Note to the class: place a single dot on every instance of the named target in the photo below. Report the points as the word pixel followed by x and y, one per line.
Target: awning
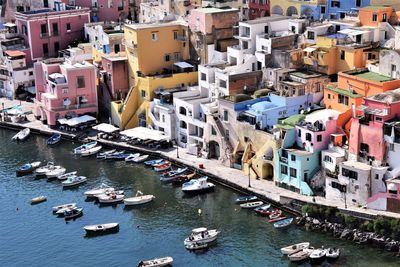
pixel 78 120
pixel 145 134
pixel 106 128
pixel 62 121
pixel 309 49
pixel 183 65
pixel 14 53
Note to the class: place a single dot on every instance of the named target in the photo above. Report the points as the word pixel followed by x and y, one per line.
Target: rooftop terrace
pixel 369 75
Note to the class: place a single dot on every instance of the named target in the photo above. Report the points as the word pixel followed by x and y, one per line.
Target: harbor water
pixel 30 235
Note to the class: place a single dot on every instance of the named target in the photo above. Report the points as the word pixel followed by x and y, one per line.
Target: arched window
pixel 183 125
pixel 182 111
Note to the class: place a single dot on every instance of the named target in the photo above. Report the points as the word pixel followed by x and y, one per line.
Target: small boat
pixel 163 167
pixel 80 149
pixel 283 223
pixel 21 135
pixel 152 162
pixel 141 158
pixel 65 176
pixel 28 168
pixel 91 151
pixel 37 200
pixel 318 254
pixel 294 248
pixel 73 213
pixel 44 169
pixel 196 246
pixel 131 157
pixel 121 155
pixel 168 176
pixel 112 198
pixel 57 171
pixel 110 193
pixel 74 180
pixel 157 262
pixel 301 254
pixel 138 199
pixel 251 205
pixel 101 228
pixel 277 219
pixel 183 178
pixel 275 214
pixel 104 154
pixel 198 185
pixel 54 139
pixel 263 209
pixel 63 207
pixel 332 253
pixel 244 199
pixel 201 235
pixel 101 189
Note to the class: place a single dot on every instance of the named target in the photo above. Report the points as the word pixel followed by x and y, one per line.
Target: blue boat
pixel 283 223
pixel 168 176
pixel 121 155
pixel 54 139
pixel 263 208
pixel 245 199
pixel 153 162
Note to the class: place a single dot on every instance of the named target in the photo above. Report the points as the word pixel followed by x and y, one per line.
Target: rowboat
pixel 37 200
pixel 263 209
pixel 163 167
pixel 275 214
pixel 109 192
pixel 283 223
pixel 318 254
pixel 244 199
pixel 44 169
pixel 183 178
pixel 57 171
pixel 109 199
pixel 63 207
pixel 91 151
pixel 168 176
pixel 251 205
pixel 119 155
pixel 198 186
pixel 74 180
pixel 65 176
pixel 201 235
pixel 138 199
pixel 101 189
pixel 301 254
pixel 28 168
pixel 131 157
pixel 54 139
pixel 332 253
pixel 104 154
pixel 294 248
pixel 73 213
pixel 141 158
pixel 156 262
pixel 277 219
pixel 152 162
pixel 84 147
pixel 101 228
pixel 21 135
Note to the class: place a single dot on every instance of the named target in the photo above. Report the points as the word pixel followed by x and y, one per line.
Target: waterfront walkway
pixel 213 168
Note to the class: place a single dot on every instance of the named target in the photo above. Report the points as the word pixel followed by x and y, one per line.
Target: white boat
pixel 141 158
pixel 74 180
pixel 113 198
pixel 109 193
pixel 196 246
pixel 332 253
pixel 101 189
pixel 103 155
pixel 45 169
pixel 301 254
pixel 251 205
pixel 58 171
pixel 201 235
pixel 91 151
pixel 131 157
pixel 294 248
pixel 84 147
pixel 63 206
pixel 101 228
pixel 318 253
pixel 198 185
pixel 65 176
pixel 37 200
pixel 138 199
pixel 157 262
pixel 21 135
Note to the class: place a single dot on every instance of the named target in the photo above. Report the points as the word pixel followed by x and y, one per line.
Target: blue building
pixel 313 12
pixel 337 9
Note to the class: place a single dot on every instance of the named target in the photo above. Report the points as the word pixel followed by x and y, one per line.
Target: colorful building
pixel 106 10
pixel 336 9
pixel 259 8
pixel 313 9
pixel 373 16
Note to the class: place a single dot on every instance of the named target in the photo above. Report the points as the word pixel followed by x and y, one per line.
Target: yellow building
pixel 155 56
pixel 294 7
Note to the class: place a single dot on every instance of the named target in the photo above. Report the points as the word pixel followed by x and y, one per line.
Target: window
pixel 167 57
pixel 213 132
pixel 374 17
pixel 203 76
pixel 226 118
pixel 68 27
pixel 175 35
pixel 335 3
pixel 65 91
pixel 310 35
pixel 329 96
pixel 31 73
pixel 45 49
pixel 293 172
pixel 177 56
pixel 154 36
pixel 376 176
pixel 222 83
pixel 56 47
pixel 341 188
pixel 384 17
pixel 322 9
pixel 293 157
pixel 364 147
pixel 308 137
pixel 319 138
pixel 342 55
pixel 284 169
pixel 391 147
pixel 328 159
pixel 163 118
pixel 55 29
pixel 358 3
pixel 299 133
pixel 80 82
pixel 143 93
pixel 349 173
pixel 183 125
pixel 378 119
pixel 43 29
pixel 343 100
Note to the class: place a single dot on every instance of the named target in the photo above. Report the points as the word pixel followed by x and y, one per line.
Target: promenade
pixel 230 177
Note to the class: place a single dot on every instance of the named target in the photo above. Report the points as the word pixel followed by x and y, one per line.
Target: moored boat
pixel 131 157
pixel 37 200
pixel 301 254
pixel 65 176
pixel 163 167
pixel 57 171
pixel 101 189
pixel 138 199
pixel 196 246
pixel 54 139
pixel 110 199
pixel 283 223
pixel 294 248
pixel 277 219
pixel 28 168
pixel 318 254
pixel 251 205
pixel 332 253
pixel 244 199
pixel 101 228
pixel 74 180
pixel 91 151
pixel 21 135
pixel 103 155
pixel 73 213
pixel 119 155
pixel 63 207
pixel 168 176
pixel 198 185
pixel 263 209
pixel 201 235
pixel 84 147
pixel 275 214
pixel 141 158
pixel 183 178
pixel 153 162
pixel 157 262
pixel 44 169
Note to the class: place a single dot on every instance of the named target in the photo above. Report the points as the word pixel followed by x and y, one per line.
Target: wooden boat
pixel 28 168
pixel 73 213
pixel 198 186
pixel 283 223
pixel 101 228
pixel 63 207
pixel 251 205
pixel 332 253
pixel 301 254
pixel 37 200
pixel 318 254
pixel 141 158
pixel 65 176
pixel 131 157
pixel 74 180
pixel 109 199
pixel 183 178
pixel 263 209
pixel 163 167
pixel 201 235
pixel 101 189
pixel 196 246
pixel 91 151
pixel 21 135
pixel 244 199
pixel 57 171
pixel 168 176
pixel 275 214
pixel 294 248
pixel 156 262
pixel 54 139
pixel 104 154
pixel 153 162
pixel 80 149
pixel 277 219
pixel 138 199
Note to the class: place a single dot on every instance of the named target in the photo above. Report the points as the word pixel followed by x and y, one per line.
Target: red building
pixel 106 10
pixel 259 8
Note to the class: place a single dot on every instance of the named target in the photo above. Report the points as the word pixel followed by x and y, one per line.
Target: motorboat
pixel 37 200
pixel 74 180
pixel 318 254
pixel 21 135
pixel 141 158
pixel 57 171
pixel 101 189
pixel 196 246
pixel 198 185
pixel 157 262
pixel 283 223
pixel 91 151
pixel 65 176
pixel 168 176
pixel 138 199
pixel 263 209
pixel 109 193
pixel 277 219
pixel 294 248
pixel 103 155
pixel 153 162
pixel 54 139
pixel 275 214
pixel 101 228
pixel 251 205
pixel 183 178
pixel 112 198
pixel 73 213
pixel 131 157
pixel 80 149
pixel 44 169
pixel 301 254
pixel 63 207
pixel 244 199
pixel 201 235
pixel 163 167
pixel 332 253
pixel 119 155
pixel 28 168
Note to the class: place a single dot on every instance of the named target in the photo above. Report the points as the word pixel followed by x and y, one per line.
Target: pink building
pixel 389 200
pixel 64 90
pixel 47 31
pixel 106 10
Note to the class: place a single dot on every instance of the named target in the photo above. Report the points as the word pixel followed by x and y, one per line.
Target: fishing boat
pixel 318 254
pixel 183 178
pixel 141 158
pixel 74 180
pixel 251 205
pixel 301 255
pixel 28 168
pixel 91 151
pixel 37 200
pixel 201 235
pixel 131 157
pixel 103 155
pixel 156 262
pixel 196 246
pixel 263 209
pixel 198 185
pixel 332 253
pixel 168 176
pixel 153 162
pixel 163 167
pixel 80 149
pixel 65 176
pixel 277 219
pixel 283 223
pixel 54 139
pixel 101 228
pixel 73 213
pixel 138 199
pixel 110 199
pixel 294 248
pixel 21 135
pixel 244 199
pixel 63 207
pixel 101 189
pixel 275 214
pixel 57 171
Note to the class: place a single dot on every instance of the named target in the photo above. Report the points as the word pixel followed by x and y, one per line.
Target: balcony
pixel 54 33
pixel 44 35
pixel 330 174
pixel 74 107
pixel 283 159
pixel 181 38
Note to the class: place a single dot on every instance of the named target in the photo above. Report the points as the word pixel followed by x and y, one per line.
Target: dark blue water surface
pixel 32 236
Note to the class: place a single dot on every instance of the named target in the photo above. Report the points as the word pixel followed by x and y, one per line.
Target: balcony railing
pixel 44 34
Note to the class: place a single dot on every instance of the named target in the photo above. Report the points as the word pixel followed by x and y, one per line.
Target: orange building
pixel 373 15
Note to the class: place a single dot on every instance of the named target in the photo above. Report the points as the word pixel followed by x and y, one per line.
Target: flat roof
pixel 298 152
pixel 336 89
pixel 372 76
pixel 140 26
pixel 357 165
pixel 15 53
pixel 211 10
pixel 305 74
pixel 376 8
